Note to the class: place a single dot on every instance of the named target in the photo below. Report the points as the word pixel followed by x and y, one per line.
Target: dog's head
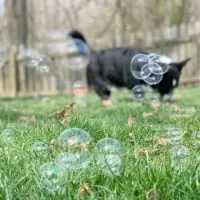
pixel 170 79
pixel 75 34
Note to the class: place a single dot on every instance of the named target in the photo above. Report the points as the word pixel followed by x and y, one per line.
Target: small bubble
pixel 39 146
pixel 139 92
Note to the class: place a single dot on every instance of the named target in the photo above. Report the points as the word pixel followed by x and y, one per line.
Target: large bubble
pixel 73 137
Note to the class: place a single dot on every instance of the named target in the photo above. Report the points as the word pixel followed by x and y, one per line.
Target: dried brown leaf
pixel 84 189
pixel 131 118
pixel 107 103
pixel 141 151
pixel 67 109
pixel 161 141
pixel 28 119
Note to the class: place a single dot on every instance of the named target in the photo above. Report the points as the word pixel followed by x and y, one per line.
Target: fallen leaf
pixel 155 105
pixel 84 189
pixel 28 119
pixel 67 108
pixel 152 194
pixel 131 118
pixel 107 103
pixel 141 151
pixel 147 114
pixel 161 141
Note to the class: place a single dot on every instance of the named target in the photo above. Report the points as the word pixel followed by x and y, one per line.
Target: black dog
pixel 112 67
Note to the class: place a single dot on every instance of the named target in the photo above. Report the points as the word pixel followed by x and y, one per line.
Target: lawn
pixel 147 172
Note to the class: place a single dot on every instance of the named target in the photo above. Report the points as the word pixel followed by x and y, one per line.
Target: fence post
pixel 12 73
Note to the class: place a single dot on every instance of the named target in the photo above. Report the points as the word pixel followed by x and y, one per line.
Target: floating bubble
pixel 155 68
pixel 108 145
pixel 73 137
pixel 77 54
pixel 51 186
pixel 43 65
pixel 73 161
pixel 40 146
pixel 110 164
pixel 137 62
pixel 139 92
pixel 152 79
pixel 162 63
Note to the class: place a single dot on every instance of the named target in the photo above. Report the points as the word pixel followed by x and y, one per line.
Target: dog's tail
pixel 75 34
pixel 181 64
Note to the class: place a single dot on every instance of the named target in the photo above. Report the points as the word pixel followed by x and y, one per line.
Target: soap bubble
pixel 175 135
pixel 77 54
pixel 155 68
pixel 7 136
pixel 73 137
pixel 108 145
pixel 43 65
pixel 80 88
pixel 196 138
pixel 73 161
pixel 50 170
pixel 139 92
pixel 51 174
pixel 180 157
pixel 40 146
pixel 163 63
pixel 179 151
pixel 151 79
pixel 110 164
pixel 137 62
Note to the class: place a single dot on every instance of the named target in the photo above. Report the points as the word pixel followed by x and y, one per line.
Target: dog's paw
pixel 107 103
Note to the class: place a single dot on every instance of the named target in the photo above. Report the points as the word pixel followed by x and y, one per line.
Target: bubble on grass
pixel 196 138
pixel 51 174
pixel 7 136
pixel 137 62
pixel 175 135
pixel 110 164
pixel 40 146
pixel 108 145
pixel 73 161
pixel 73 137
pixel 139 92
pixel 180 157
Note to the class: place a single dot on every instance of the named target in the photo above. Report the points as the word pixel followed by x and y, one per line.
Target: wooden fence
pixel 16 79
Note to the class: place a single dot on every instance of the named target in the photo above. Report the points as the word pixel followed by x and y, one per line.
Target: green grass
pixel 19 165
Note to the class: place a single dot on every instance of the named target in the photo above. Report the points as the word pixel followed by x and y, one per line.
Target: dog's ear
pixel 181 64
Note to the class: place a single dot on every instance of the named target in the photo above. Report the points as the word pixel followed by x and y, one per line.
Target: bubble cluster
pixel 107 156
pixel 149 68
pixel 77 54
